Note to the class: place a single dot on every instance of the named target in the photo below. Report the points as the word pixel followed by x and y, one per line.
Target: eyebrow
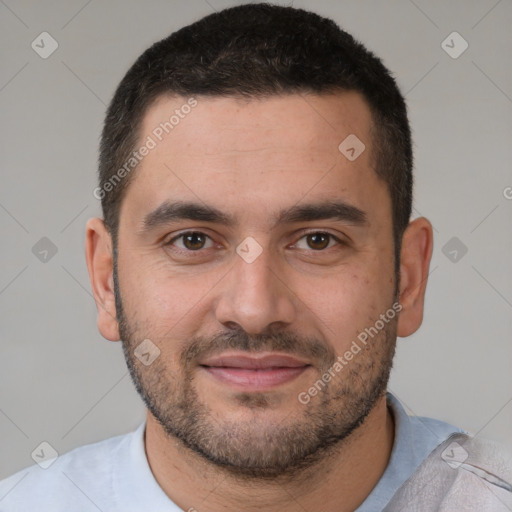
pixel 169 212
pixel 336 210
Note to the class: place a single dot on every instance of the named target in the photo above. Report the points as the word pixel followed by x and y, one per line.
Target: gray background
pixel 61 382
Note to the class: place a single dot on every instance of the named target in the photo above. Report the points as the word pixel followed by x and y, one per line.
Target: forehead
pixel 298 122
pixel 237 153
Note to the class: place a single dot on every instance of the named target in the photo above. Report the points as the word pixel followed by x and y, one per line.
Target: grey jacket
pixel 462 474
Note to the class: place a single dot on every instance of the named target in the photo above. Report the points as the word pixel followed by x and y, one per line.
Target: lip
pixel 256 372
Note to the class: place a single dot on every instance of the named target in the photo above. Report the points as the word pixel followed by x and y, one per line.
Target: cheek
pixel 160 300
pixel 345 305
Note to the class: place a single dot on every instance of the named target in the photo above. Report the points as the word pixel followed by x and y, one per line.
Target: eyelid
pixel 303 233
pixel 187 232
pixel 337 239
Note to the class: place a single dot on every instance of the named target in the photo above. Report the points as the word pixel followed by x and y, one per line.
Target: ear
pixel 99 256
pixel 415 255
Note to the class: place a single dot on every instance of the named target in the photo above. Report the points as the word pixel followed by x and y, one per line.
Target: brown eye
pixel 194 241
pixel 318 241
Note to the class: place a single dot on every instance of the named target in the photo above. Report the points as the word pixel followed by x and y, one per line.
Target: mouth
pixel 255 372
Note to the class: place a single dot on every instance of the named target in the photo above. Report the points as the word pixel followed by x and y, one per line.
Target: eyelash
pixel 182 235
pixel 190 251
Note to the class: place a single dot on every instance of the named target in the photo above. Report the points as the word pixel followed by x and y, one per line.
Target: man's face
pixel 284 277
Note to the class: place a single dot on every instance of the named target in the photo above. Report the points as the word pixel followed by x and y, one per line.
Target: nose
pixel 255 298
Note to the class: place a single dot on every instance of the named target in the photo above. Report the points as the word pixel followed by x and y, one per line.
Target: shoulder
pixel 463 473
pixel 417 436
pixel 73 481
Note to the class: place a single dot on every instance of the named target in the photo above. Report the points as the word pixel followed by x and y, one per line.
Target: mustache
pixel 310 348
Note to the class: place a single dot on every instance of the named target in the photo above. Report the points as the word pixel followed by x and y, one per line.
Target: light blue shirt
pixel 415 438
pixel 114 475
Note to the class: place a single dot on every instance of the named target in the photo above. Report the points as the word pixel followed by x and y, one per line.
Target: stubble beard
pixel 259 448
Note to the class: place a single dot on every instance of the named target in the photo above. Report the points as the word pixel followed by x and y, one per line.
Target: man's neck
pixel 340 483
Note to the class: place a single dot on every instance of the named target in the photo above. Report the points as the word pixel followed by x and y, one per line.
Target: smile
pixel 255 373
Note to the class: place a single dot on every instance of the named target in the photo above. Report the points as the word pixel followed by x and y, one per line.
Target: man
pixel 258 261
